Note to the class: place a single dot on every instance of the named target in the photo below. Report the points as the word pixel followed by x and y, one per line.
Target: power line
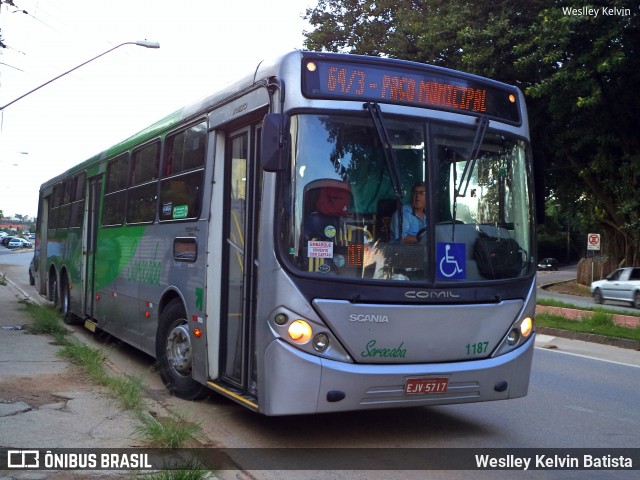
pixel 11 66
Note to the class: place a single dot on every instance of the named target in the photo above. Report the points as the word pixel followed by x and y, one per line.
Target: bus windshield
pixel 426 216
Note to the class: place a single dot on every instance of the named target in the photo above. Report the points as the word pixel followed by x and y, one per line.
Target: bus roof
pixel 263 71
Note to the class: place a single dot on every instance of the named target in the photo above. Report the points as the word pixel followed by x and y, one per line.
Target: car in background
pixel 548 264
pixel 5 240
pixel 19 243
pixel 622 285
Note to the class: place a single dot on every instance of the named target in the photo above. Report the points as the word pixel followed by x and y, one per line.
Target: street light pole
pixel 141 43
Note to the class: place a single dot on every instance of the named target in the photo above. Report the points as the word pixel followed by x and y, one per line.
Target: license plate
pixel 417 386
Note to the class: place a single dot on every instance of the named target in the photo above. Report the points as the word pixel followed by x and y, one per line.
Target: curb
pixel 590 337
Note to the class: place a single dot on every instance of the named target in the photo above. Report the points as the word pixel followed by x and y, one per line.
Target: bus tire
pixel 65 303
pixel 173 353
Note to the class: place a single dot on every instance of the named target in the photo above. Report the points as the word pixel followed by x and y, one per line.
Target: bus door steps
pixel 234 393
pixel 90 325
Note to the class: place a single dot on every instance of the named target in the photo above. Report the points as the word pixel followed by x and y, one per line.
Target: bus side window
pixel 180 197
pixel 115 197
pixel 142 195
pixel 180 192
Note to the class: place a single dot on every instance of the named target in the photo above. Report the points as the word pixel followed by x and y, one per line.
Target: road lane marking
pixel 557 350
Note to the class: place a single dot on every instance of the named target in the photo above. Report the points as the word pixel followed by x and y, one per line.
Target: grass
pixel 167 432
pixel 601 323
pixel 90 359
pixel 127 391
pixel 550 302
pixel 191 470
pixel 46 321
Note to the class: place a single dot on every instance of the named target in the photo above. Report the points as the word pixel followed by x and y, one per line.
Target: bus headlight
pixel 281 319
pixel 519 333
pixel 321 342
pixel 526 327
pixel 309 335
pixel 299 331
pixel 513 337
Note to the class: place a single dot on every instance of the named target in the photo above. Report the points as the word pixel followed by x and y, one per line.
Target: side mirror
pixel 274 142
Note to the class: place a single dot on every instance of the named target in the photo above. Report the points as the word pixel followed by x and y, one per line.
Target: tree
pixel 578 72
pixel 591 67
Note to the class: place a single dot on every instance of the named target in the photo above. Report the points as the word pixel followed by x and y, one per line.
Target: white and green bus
pixel 251 242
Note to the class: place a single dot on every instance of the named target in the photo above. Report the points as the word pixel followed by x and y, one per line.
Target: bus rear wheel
pixel 65 303
pixel 52 293
pixel 174 354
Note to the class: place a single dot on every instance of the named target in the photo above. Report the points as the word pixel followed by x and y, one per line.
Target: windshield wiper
pixel 470 165
pixel 389 155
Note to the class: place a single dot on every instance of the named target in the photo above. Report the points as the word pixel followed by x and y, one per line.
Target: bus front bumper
pixel 298 383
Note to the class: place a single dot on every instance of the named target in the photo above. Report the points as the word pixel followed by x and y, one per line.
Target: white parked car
pixel 19 243
pixel 621 285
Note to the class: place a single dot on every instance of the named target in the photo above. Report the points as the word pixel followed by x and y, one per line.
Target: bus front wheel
pixel 174 354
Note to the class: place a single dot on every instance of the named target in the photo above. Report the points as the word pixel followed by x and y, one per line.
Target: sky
pixel 204 45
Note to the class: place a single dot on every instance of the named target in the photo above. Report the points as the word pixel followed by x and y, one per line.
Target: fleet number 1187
pixel 477 348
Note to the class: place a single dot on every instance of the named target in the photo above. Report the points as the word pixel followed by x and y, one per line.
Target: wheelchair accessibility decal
pixel 451 260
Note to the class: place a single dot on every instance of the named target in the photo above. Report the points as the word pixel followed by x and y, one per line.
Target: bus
pixel 256 242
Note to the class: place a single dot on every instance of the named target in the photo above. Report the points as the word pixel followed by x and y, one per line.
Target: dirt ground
pixel 570 288
pixel 36 390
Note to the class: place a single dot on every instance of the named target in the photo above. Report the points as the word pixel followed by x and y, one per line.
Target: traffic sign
pixel 593 241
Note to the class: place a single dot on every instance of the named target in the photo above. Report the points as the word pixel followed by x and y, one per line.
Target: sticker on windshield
pixel 316 249
pixel 329 231
pixel 451 260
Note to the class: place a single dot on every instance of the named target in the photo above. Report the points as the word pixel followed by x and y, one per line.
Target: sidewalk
pixel 45 402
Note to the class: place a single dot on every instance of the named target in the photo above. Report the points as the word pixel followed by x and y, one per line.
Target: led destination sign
pixel 423 88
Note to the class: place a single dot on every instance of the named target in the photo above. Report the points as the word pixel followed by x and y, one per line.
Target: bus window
pixel 116 194
pixel 144 164
pixel 185 150
pixel 117 173
pixel 68 188
pixel 180 197
pixel 77 205
pixel 181 193
pixel 54 205
pixel 143 195
pixel 141 203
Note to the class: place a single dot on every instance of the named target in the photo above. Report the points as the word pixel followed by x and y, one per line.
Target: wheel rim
pixel 66 301
pixel 179 349
pixel 53 291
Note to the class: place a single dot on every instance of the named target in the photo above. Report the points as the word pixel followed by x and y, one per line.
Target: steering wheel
pixel 421 235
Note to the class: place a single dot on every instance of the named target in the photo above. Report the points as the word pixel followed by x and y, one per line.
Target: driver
pixel 414 216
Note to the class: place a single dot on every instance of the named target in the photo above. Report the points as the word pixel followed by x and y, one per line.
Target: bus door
pixel 91 223
pixel 237 363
